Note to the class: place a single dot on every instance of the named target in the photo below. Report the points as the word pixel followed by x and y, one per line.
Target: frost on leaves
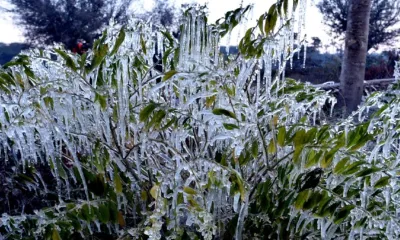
pixel 150 135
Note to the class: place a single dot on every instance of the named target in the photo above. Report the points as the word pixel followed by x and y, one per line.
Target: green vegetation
pixel 104 146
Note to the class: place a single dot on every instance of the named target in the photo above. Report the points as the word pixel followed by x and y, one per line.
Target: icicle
pixel 241 217
pixel 387 194
pixel 305 55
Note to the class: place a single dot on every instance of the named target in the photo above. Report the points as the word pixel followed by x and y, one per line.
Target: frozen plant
pixel 148 136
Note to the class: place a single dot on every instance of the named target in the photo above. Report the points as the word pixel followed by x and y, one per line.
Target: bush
pixel 317 67
pixel 380 66
pixel 204 149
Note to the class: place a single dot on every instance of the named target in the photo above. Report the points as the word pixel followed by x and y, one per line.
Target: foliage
pixel 320 67
pixel 385 15
pixel 65 21
pixel 205 149
pixel 163 13
pixel 326 67
pixel 380 66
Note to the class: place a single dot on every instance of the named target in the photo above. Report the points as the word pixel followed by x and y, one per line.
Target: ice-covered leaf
pixel 117 182
pixel 382 182
pixel 154 191
pixel 145 112
pixel 55 235
pixel 189 190
pixel 343 213
pixel 119 41
pixel 68 60
pixel 339 168
pixel 221 111
pixel 169 75
pixel 230 126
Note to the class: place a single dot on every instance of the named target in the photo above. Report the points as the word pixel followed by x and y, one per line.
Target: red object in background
pixel 79 48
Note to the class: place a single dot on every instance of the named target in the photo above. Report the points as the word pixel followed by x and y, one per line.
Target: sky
pixel 9 32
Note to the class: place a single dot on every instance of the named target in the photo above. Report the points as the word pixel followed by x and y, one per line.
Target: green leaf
pixel 104 213
pixel 329 210
pixel 68 60
pixel 49 102
pixel 312 201
pixel 82 61
pixel 285 6
pixel 100 78
pixel 99 55
pixel 328 158
pixel 254 149
pixel 169 75
pixel 261 24
pixel 342 214
pixel 145 112
pixel 154 191
pixel 323 205
pixel 8 78
pixel 86 213
pixel 383 182
pixel 339 168
pixel 271 20
pixel 230 91
pixel 299 138
pixel 180 198
pixel 169 123
pixel 301 199
pixel 189 190
pixel 60 169
pixel 296 155
pixel 230 126
pixel 312 158
pixel 272 147
pixel 168 36
pixel 101 100
pixel 117 182
pixel 281 136
pixel 143 44
pixel 220 111
pixel 323 133
pixel 368 171
pixel 119 41
pixel 55 235
pixel 310 136
pixel 362 142
pixel 29 72
pixel 361 223
pixel 238 181
pixel 352 168
pixel 210 100
pixel 158 116
pixel 113 210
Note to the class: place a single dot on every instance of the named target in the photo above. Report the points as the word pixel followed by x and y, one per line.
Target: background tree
pixel 66 21
pixel 316 43
pixel 355 54
pixel 163 13
pixel 385 14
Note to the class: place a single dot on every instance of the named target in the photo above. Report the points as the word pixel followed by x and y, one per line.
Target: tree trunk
pixel 355 54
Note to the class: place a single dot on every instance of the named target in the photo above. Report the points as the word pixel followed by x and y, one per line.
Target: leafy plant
pixel 207 148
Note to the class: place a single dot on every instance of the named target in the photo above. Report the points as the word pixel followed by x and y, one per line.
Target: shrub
pixel 205 149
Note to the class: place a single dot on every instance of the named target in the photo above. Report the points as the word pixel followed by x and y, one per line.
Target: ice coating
pixel 175 147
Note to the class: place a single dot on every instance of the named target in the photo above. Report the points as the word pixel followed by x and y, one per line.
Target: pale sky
pixel 314 26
